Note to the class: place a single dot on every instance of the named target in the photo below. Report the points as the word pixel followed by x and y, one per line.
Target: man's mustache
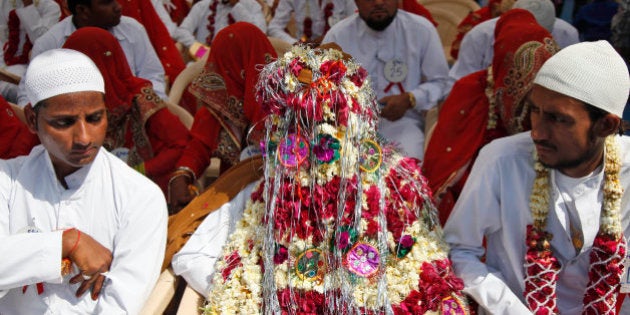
pixel 544 143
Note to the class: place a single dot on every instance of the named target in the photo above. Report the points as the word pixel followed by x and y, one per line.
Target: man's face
pixel 104 13
pixel 563 132
pixel 377 14
pixel 71 127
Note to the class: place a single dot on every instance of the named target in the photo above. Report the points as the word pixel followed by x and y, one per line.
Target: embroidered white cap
pixel 61 71
pixel 543 10
pixel 592 72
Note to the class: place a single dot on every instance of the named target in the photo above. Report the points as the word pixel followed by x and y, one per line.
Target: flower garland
pixel 211 20
pixel 492 107
pixel 327 229
pixel 607 253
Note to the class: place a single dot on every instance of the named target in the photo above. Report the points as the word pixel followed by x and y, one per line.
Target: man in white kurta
pixel 197 259
pixel 477 47
pixel 114 204
pixel 35 20
pixel 411 42
pixel 133 39
pixel 57 191
pixel 308 9
pixel 194 28
pixel 495 202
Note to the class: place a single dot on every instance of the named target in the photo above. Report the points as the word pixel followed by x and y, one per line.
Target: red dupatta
pixel 471 20
pixel 125 120
pixel 412 6
pixel 226 85
pixel 15 137
pixel 486 105
pixel 144 12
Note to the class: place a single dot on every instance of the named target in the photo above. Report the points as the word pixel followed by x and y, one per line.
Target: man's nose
pixel 81 133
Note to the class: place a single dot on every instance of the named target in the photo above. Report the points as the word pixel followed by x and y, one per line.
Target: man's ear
pixel 607 125
pixel 31 118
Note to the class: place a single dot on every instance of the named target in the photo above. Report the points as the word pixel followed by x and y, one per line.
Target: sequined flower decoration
pixel 281 255
pixel 404 245
pixel 347 238
pixel 326 149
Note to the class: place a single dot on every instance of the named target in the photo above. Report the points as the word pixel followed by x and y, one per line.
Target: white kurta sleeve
pixel 471 55
pixel 279 22
pixel 27 258
pixel 250 11
pixel 476 214
pixel 196 260
pixel 434 69
pixel 138 252
pixel 38 19
pixel 147 65
pixel 185 33
pixel 158 5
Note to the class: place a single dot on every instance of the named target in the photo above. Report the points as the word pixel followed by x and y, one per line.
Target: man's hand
pixel 180 195
pixel 395 106
pixel 90 257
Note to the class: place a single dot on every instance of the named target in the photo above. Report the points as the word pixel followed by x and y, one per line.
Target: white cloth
pixel 171 27
pixel 413 40
pixel 195 26
pixel 133 39
pixel 495 203
pixel 34 22
pixel 196 260
pixel 121 209
pixel 301 9
pixel 477 48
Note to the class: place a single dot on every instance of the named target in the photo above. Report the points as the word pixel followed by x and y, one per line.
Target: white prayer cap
pixel 592 72
pixel 543 10
pixel 61 71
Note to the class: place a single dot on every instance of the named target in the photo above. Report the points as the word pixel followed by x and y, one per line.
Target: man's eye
pixel 95 118
pixel 63 123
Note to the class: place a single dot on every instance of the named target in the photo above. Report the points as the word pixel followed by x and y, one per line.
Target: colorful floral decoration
pixel 341 223
pixel 606 257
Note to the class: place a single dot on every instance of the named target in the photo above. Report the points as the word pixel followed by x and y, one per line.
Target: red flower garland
pixel 211 20
pixel 11 46
pixel 540 289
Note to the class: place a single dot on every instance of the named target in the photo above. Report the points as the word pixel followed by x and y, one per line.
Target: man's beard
pixel 380 25
pixel 586 156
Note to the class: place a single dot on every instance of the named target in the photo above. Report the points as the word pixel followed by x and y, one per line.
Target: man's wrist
pixel 412 100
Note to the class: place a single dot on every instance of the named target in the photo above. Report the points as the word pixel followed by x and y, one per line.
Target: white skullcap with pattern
pixel 543 10
pixel 61 71
pixel 592 72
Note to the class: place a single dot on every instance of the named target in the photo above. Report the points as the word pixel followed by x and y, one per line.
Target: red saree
pixel 15 138
pixel 226 89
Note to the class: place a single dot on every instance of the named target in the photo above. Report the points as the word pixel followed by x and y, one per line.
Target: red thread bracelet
pixel 76 243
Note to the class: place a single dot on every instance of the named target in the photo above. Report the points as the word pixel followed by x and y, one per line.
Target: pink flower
pixel 281 255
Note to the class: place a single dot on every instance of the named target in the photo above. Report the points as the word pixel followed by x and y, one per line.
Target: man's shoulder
pixel 127 178
pixel 345 24
pixel 511 147
pixel 563 26
pixel 413 20
pixel 128 23
pixel 484 28
pixel 57 33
